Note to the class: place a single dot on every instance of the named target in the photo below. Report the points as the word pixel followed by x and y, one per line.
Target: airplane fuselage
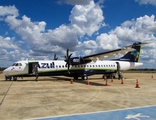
pixel 52 67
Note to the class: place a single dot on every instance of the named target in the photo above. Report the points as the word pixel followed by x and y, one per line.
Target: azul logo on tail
pixel 132 56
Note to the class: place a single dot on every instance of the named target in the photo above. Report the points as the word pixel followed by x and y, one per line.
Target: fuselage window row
pixel 94 66
pixel 83 66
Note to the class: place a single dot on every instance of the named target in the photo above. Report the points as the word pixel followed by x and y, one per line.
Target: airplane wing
pixel 100 56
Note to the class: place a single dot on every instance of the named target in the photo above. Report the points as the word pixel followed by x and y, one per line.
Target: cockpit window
pixel 17 64
pixel 14 64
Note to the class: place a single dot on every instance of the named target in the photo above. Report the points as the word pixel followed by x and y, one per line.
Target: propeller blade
pixel 70 55
pixel 55 58
pixel 67 59
pixel 67 52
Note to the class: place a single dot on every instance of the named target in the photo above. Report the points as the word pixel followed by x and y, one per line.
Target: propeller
pixel 55 58
pixel 67 59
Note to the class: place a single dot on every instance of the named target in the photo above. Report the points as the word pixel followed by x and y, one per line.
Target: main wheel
pixel 14 78
pixel 84 77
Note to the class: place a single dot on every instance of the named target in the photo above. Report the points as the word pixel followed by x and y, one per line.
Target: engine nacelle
pixel 78 60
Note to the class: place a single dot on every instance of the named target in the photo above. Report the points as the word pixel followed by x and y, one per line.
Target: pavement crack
pixel 6 94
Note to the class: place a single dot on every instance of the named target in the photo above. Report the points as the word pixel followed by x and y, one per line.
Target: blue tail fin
pixel 132 56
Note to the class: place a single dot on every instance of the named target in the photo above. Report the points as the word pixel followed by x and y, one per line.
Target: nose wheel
pixel 8 78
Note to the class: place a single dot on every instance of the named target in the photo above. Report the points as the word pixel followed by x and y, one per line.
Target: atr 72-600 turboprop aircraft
pixel 78 66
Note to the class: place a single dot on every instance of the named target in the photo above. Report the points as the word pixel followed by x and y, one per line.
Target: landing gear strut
pixel 14 78
pixel 76 77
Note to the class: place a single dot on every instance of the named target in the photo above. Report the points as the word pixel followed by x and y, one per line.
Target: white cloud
pixel 13 22
pixel 8 10
pixel 86 19
pixel 91 44
pixel 143 29
pixel 152 2
pixel 7 43
pixel 107 41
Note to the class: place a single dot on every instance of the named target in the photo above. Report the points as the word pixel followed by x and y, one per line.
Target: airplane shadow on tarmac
pixel 57 78
pixel 81 81
pixel 26 79
pixel 90 83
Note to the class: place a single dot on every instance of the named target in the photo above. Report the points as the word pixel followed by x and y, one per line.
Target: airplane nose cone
pixel 5 71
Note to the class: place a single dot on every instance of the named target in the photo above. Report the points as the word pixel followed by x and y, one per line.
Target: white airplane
pixel 78 66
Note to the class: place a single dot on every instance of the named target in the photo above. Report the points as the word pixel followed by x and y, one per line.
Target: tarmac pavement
pixel 54 96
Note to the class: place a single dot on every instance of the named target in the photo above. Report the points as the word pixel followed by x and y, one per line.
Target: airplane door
pixel 32 68
pixel 118 66
pixel 119 70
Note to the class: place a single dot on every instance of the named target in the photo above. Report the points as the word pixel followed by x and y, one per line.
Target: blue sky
pixel 36 29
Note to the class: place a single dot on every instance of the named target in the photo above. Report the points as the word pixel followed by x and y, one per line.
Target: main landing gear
pixel 83 77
